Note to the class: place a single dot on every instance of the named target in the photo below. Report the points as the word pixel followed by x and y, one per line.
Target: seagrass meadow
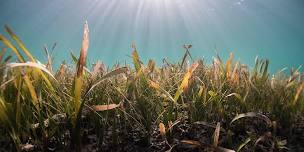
pixel 185 106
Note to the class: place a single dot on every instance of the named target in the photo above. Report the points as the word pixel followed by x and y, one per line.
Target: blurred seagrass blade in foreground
pixel 37 73
pixel 20 43
pixel 32 65
pixel 21 59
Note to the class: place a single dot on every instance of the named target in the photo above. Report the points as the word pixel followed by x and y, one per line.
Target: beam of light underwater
pixel 161 27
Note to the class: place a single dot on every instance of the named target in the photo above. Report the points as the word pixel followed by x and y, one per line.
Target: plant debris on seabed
pixel 186 106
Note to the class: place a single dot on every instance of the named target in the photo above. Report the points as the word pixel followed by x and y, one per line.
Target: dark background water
pixel 272 29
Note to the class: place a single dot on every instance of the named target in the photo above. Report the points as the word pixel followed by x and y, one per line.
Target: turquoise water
pixel 272 29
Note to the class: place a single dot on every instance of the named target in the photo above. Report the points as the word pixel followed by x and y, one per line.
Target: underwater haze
pixel 272 29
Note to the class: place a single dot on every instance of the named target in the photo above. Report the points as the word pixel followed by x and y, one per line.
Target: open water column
pixel 272 29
